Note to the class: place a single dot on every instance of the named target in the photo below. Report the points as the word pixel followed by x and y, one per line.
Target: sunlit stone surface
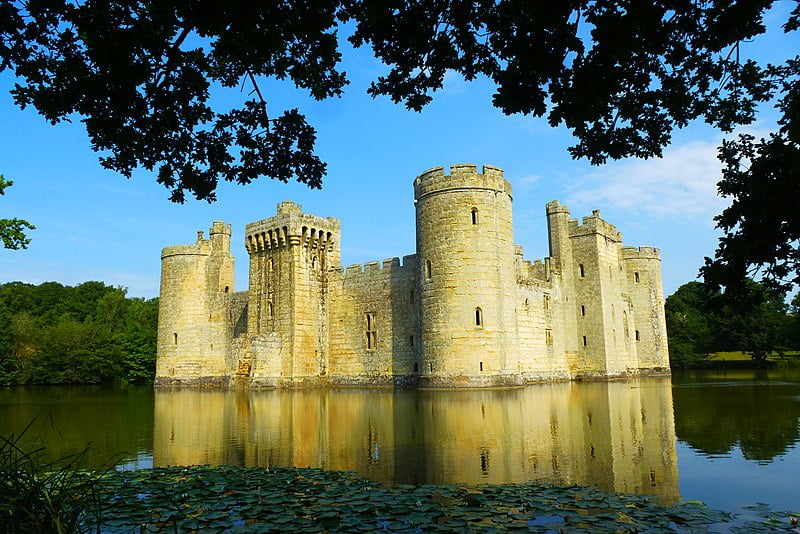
pixel 466 310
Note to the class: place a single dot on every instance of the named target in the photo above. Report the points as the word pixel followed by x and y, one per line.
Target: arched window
pixel 428 269
pixel 478 317
pixel 271 309
pixel 227 289
pixel 474 214
pixel 625 325
pixel 175 337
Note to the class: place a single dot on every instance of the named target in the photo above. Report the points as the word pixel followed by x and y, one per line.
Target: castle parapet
pixel 220 227
pixel 554 206
pixel 641 253
pixel 201 248
pixel 593 224
pixel 290 227
pixel 462 176
pixel 389 266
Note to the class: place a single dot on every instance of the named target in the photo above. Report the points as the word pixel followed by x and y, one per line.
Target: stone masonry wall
pixel 541 335
pixel 465 249
pixel 374 322
pixel 643 278
pixel 193 327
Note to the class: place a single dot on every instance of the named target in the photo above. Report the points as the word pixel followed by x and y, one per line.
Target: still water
pixel 729 439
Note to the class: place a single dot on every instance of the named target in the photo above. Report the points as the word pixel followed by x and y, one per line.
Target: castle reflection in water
pixel 617 436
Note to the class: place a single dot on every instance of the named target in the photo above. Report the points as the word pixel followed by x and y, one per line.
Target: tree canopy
pixel 12 231
pixel 701 321
pixel 621 75
pixel 90 333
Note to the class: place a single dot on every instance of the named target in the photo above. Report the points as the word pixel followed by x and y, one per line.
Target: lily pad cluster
pixel 251 499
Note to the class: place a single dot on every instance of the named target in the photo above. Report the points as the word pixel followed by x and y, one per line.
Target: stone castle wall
pixel 467 310
pixel 373 322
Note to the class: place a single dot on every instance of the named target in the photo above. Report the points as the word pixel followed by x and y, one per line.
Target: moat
pixel 727 438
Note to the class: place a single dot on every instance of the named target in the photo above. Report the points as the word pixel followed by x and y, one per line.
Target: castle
pixel 465 311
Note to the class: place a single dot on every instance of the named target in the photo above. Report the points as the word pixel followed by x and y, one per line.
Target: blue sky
pixel 93 224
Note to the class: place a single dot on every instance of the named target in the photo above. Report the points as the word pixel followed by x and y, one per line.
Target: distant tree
pixel 6 360
pixel 72 352
pixel 752 325
pixel 90 333
pixel 689 330
pixel 138 340
pixel 702 321
pixel 621 75
pixel 26 337
pixel 790 337
pixel 12 231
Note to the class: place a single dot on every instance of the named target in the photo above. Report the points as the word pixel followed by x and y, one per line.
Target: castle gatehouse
pixel 467 310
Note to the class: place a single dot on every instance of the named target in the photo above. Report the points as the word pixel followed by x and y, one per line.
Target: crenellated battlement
pixel 201 248
pixel 641 253
pixel 594 224
pixel 220 227
pixel 388 267
pixel 463 176
pixel 290 226
pixel 554 206
pixel 536 271
pixel 287 206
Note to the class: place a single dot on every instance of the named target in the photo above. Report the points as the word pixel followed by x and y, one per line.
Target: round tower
pixel 467 278
pixel 189 347
pixel 643 271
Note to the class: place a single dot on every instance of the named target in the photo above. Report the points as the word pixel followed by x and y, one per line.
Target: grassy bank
pixel 743 360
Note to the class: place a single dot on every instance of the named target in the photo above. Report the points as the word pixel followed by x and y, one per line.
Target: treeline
pixel 701 322
pixel 87 334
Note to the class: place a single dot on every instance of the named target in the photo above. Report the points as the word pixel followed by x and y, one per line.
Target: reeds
pixel 38 496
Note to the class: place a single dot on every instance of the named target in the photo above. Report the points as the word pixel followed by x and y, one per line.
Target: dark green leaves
pixel 12 231
pixel 762 179
pixel 139 76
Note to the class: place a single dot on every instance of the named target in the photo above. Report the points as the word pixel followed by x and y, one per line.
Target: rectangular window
pixel 548 337
pixel 637 335
pixel 583 310
pixel 546 301
pixel 584 341
pixel 636 277
pixel 371 331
